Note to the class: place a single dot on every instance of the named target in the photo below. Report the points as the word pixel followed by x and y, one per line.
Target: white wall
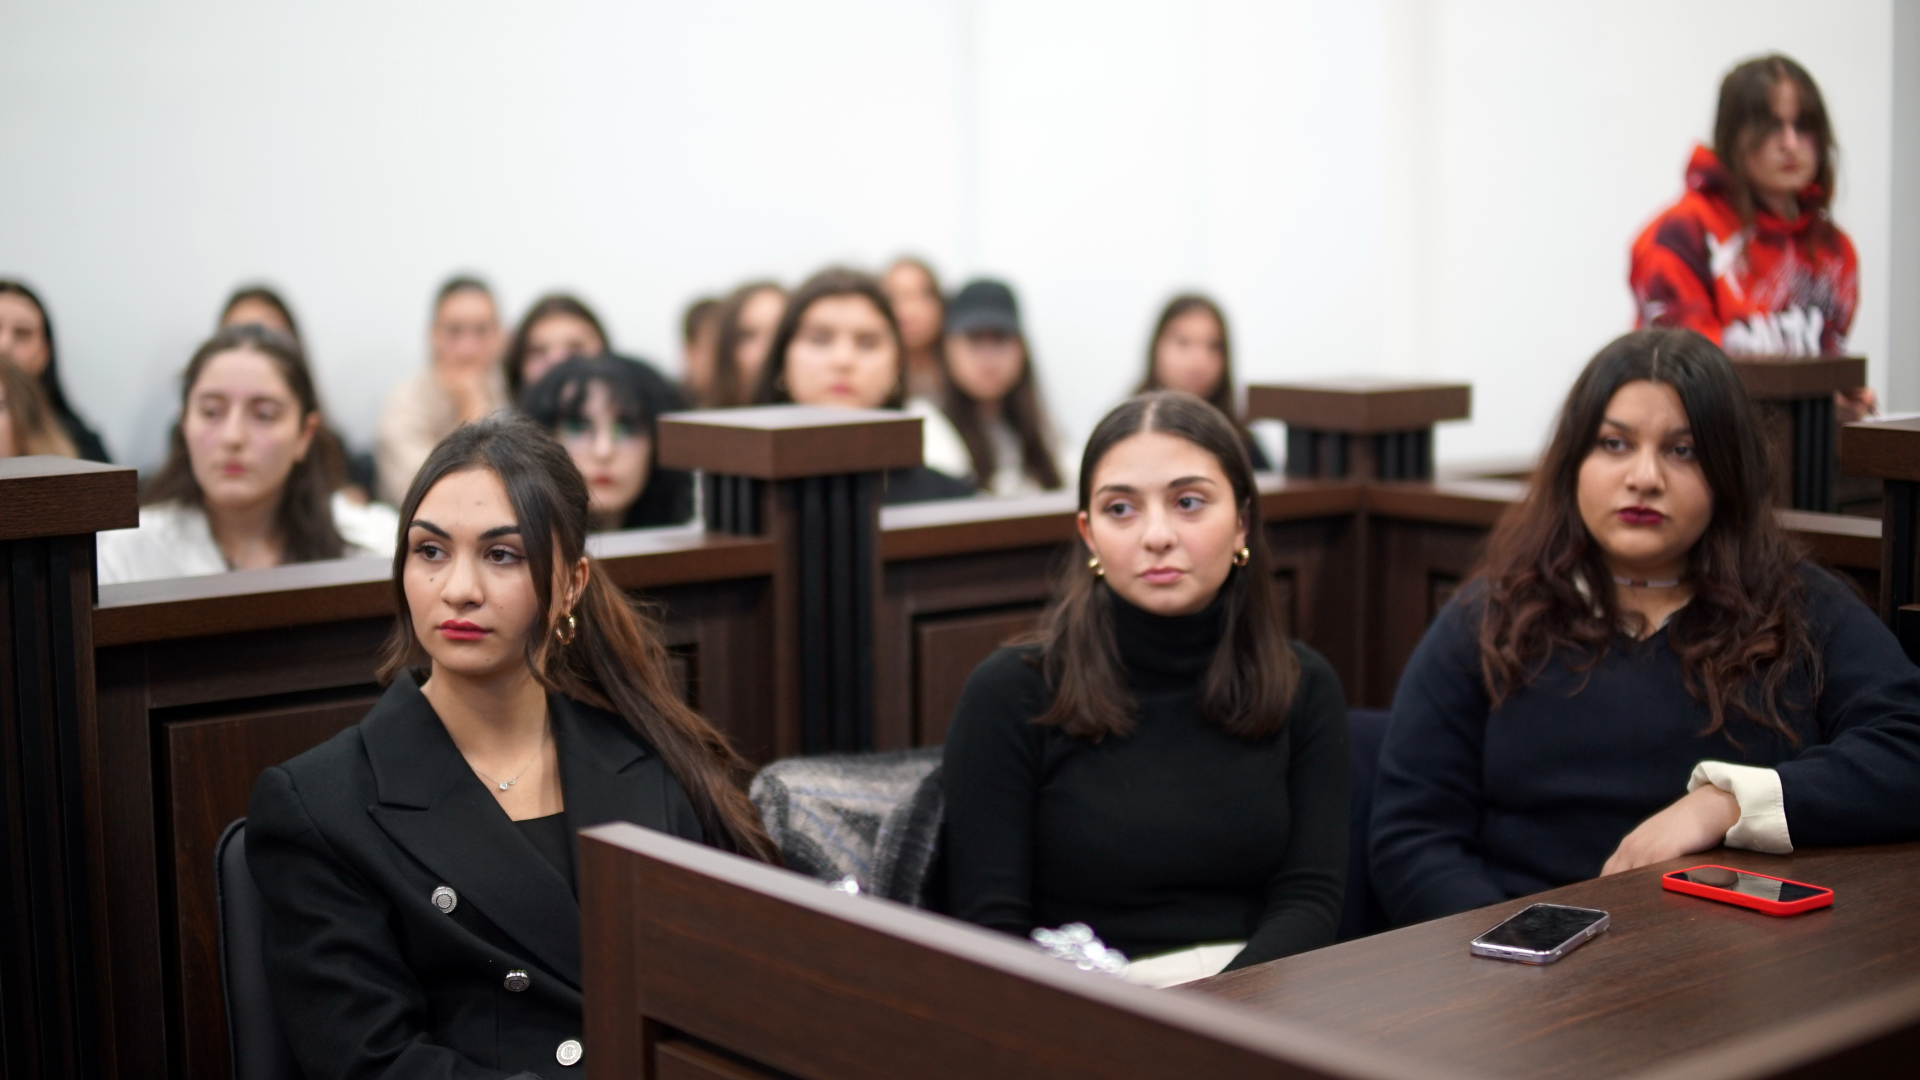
pixel 1439 189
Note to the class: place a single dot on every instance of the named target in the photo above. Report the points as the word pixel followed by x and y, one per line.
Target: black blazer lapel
pixel 434 807
pixel 607 771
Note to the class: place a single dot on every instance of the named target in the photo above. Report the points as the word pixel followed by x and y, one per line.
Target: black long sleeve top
pixel 1476 805
pixel 1175 835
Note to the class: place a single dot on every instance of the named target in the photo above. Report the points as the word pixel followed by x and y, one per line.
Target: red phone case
pixel 1728 896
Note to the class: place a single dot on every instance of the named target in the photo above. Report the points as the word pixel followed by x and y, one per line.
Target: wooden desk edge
pixel 149 611
pixel 1224 1021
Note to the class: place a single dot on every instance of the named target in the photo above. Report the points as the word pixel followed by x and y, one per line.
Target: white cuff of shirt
pixel 1763 806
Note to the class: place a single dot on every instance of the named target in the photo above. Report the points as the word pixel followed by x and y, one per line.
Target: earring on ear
pixel 1243 556
pixel 1093 564
pixel 564 632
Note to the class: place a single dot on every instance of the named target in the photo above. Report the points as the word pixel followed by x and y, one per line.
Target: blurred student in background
pixel 27 423
pixel 918 306
pixel 260 305
pixel 240 489
pixel 992 396
pixel 743 329
pixel 556 328
pixel 699 327
pixel 461 384
pixel 26 339
pixel 837 345
pixel 603 410
pixel 1191 351
pixel 1750 256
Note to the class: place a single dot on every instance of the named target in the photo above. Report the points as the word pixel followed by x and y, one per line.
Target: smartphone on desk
pixel 1541 933
pixel 1775 896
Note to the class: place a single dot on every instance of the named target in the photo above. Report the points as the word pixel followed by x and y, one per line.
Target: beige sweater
pixel 418 414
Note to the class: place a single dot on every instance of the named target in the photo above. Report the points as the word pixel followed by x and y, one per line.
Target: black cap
pixel 984 306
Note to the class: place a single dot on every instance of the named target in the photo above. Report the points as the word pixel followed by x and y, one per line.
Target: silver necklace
pixel 505 784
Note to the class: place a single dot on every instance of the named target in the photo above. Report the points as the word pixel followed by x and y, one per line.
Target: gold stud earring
pixel 564 632
pixel 1243 556
pixel 1093 564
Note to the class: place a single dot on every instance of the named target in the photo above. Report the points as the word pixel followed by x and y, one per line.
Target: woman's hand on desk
pixel 1696 822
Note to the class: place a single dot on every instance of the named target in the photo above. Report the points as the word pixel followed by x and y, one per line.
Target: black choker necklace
pixel 1667 584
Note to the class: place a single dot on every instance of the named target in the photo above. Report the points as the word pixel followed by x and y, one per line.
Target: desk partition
pixel 704 965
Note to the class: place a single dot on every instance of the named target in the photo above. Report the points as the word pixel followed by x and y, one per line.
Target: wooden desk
pixel 1677 987
pixel 704 966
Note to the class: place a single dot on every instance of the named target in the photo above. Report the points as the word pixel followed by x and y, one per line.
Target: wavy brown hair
pixel 1745 118
pixel 615 661
pixel 305 516
pixel 1744 633
pixel 1249 684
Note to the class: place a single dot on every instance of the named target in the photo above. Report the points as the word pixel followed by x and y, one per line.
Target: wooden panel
pixel 783 971
pixel 946 650
pixel 680 1059
pixel 1412 567
pixel 1835 540
pixel 1888 449
pixel 1318 564
pixel 54 496
pixel 788 442
pixel 1784 378
pixel 211 768
pixel 1678 987
pixel 1360 406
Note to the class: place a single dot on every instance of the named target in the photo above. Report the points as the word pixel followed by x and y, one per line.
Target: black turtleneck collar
pixel 1167 652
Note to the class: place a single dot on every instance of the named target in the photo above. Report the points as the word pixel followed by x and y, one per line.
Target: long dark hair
pixel 1250 683
pixel 265 295
pixel 1022 409
pixel 551 304
pixel 639 396
pixel 305 517
pixel 50 377
pixel 730 388
pixel 833 281
pixel 1742 635
pixel 1221 397
pixel 615 661
pixel 1745 116
pixel 34 427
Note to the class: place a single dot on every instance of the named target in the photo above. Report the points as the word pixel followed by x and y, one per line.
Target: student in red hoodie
pixel 1750 256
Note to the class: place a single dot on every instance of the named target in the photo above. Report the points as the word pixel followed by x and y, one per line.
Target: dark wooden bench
pixel 705 966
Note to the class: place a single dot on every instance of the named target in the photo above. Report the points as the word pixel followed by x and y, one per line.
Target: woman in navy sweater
pixel 1643 668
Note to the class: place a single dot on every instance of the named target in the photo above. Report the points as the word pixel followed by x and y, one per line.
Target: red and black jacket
pixel 1772 287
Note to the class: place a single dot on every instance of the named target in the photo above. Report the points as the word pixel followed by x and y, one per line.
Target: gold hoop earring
pixel 564 632
pixel 1093 564
pixel 1243 556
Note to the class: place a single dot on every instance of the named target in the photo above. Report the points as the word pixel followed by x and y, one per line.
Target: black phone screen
pixel 1542 927
pixel 1766 888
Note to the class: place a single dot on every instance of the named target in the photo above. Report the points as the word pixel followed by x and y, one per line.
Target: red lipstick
pixel 461 630
pixel 1641 515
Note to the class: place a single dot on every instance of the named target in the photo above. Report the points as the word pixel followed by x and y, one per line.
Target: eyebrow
pixel 1671 432
pixel 1129 489
pixel 491 534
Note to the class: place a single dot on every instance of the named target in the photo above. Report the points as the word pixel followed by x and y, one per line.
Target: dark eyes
pixel 433 551
pixel 1613 444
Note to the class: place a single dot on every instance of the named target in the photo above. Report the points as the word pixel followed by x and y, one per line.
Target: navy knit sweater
pixel 1478 805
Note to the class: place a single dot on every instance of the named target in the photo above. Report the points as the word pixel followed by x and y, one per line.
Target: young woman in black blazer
pixel 1643 668
pixel 1158 761
pixel 418 869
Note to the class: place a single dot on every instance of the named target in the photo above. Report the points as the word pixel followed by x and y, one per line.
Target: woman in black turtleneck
pixel 1158 761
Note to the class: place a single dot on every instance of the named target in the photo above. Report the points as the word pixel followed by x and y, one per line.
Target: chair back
pixel 260 1049
pixel 1361 913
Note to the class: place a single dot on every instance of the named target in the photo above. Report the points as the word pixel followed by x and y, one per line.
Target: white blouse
pixel 174 540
